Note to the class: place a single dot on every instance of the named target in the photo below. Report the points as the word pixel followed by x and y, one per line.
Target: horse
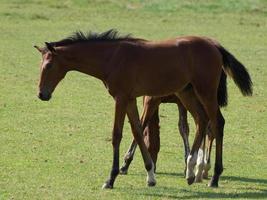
pixel 152 133
pixel 189 67
pixel 152 138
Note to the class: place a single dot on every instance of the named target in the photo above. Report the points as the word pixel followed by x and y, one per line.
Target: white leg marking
pixel 207 167
pixel 151 180
pixel 191 162
pixel 200 165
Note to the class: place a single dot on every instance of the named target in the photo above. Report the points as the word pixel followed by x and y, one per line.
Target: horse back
pixel 165 67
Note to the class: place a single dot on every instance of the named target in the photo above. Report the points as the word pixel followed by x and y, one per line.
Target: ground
pixel 61 149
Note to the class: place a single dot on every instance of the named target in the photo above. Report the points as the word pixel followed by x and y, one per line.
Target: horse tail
pixel 236 71
pixel 222 91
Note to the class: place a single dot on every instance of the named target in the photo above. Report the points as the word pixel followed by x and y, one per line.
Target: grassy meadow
pixel 62 150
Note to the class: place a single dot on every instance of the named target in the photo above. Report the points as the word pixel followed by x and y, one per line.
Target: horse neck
pixel 90 58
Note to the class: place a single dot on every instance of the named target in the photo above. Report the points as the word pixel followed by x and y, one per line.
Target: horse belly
pixel 161 83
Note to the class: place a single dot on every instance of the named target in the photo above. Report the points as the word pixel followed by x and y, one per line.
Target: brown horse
pixel 189 67
pixel 152 137
pixel 152 133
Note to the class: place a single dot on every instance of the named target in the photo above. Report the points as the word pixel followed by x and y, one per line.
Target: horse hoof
pixel 123 171
pixel 213 185
pixel 198 180
pixel 205 175
pixel 151 184
pixel 190 180
pixel 107 186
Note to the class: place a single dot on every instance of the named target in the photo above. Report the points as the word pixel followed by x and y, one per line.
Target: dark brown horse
pixel 189 67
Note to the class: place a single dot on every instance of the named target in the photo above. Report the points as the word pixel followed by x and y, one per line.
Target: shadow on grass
pixel 245 192
pixel 210 195
pixel 244 179
pixel 170 174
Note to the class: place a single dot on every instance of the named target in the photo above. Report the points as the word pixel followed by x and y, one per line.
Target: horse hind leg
pixel 152 136
pixel 207 165
pixel 128 157
pixel 204 153
pixel 209 101
pixel 183 129
pixel 200 162
pixel 217 127
pixel 193 105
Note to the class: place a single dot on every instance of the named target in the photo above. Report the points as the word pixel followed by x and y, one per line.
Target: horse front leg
pixel 120 112
pixel 150 125
pixel 132 113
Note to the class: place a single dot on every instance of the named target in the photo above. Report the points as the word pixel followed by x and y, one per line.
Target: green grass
pixel 62 149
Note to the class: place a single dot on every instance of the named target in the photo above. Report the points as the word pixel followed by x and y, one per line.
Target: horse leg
pixel 183 129
pixel 217 128
pixel 120 112
pixel 150 121
pixel 207 165
pixel 211 106
pixel 152 137
pixel 192 104
pixel 200 162
pixel 128 157
pixel 132 113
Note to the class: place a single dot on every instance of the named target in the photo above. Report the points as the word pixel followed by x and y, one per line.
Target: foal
pixel 151 131
pixel 189 67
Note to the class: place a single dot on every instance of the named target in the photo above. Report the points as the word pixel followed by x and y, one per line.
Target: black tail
pixel 237 71
pixel 222 91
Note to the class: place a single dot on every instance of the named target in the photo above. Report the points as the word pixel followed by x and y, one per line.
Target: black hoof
pixel 107 185
pixel 213 185
pixel 190 180
pixel 213 182
pixel 151 184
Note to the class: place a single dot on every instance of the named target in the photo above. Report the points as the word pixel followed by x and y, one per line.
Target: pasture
pixel 62 149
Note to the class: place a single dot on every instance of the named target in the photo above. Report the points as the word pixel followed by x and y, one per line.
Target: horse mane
pixel 80 37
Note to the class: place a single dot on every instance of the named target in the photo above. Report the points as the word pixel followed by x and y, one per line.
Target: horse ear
pixel 38 48
pixel 50 48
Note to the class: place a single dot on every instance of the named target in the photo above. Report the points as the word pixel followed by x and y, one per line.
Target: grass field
pixel 61 149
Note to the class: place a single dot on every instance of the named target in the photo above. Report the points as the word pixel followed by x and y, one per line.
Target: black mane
pixel 80 37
